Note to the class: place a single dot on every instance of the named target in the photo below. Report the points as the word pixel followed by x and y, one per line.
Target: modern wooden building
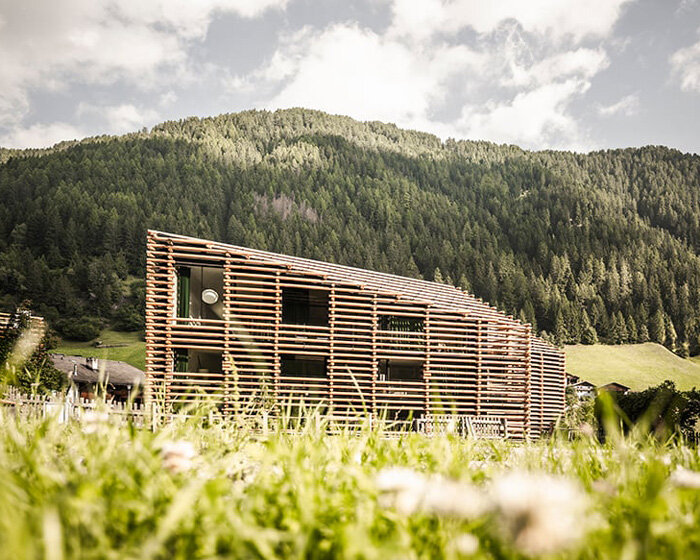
pixel 252 329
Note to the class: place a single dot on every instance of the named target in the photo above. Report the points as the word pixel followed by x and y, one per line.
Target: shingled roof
pixel 111 371
pixel 443 296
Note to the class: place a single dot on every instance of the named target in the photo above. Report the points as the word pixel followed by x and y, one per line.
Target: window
pixel 400 323
pixel 303 306
pixel 303 366
pixel 400 370
pixel 200 292
pixel 198 361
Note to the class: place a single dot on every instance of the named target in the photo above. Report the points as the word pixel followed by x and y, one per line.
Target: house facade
pixel 585 390
pixel 251 329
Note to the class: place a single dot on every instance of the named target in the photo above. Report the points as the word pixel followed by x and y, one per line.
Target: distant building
pixel 119 379
pixel 584 389
pixel 615 387
pixel 572 379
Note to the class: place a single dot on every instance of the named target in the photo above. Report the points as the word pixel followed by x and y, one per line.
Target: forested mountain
pixel 604 245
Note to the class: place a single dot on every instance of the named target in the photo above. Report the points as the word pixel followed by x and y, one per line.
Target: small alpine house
pixel 250 329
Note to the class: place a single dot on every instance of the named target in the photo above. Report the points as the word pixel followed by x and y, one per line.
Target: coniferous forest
pixel 587 247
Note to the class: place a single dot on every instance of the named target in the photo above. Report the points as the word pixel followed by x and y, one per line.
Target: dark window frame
pixel 401 323
pixel 304 306
pixel 305 362
pixel 386 372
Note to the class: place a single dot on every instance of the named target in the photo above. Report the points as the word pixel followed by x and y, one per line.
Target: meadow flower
pixel 466 544
pixel 454 499
pixel 684 478
pixel 178 456
pixel 540 513
pixel 242 469
pixel 93 421
pixel 401 488
pixel 410 492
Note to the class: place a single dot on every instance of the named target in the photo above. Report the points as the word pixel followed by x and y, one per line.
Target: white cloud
pixel 519 69
pixel 143 43
pixel 167 98
pixel 558 19
pixel 119 119
pixel 685 63
pixel 357 72
pixel 585 63
pixel 627 106
pixel 535 118
pixel 516 81
pixel 191 18
pixel 41 135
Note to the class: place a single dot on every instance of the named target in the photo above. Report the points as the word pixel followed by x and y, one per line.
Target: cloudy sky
pixel 563 74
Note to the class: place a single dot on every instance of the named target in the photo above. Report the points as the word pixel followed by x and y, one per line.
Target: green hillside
pixel 126 347
pixel 600 246
pixel 636 365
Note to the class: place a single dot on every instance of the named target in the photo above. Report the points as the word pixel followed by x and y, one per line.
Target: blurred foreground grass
pixel 96 489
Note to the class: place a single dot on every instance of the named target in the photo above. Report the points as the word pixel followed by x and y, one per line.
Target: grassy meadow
pixel 636 365
pixel 133 352
pixel 98 489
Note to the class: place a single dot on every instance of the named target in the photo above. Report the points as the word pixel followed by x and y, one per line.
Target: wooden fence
pixel 65 409
pixel 484 427
pixel 150 416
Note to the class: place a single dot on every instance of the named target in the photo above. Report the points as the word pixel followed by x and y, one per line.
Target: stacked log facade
pixel 382 345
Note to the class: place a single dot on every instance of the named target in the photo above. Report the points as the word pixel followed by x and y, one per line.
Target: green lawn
pixel 636 365
pixel 133 353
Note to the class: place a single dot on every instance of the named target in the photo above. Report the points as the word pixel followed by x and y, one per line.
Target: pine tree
pixel 671 335
pixel 560 335
pixel 632 334
pixel 588 333
pixel 643 334
pixel 657 327
pixel 464 284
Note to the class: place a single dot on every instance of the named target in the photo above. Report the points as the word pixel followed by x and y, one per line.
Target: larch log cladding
pixel 285 333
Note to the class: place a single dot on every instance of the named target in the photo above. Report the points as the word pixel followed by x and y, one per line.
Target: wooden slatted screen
pixel 362 343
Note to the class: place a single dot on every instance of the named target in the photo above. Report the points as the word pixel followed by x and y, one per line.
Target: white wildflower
pixel 178 456
pixel 452 498
pixel 477 465
pixel 242 469
pixel 277 471
pixel 466 544
pixel 666 459
pixel 410 492
pixel 542 514
pixel 401 488
pixel 93 421
pixel 684 478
